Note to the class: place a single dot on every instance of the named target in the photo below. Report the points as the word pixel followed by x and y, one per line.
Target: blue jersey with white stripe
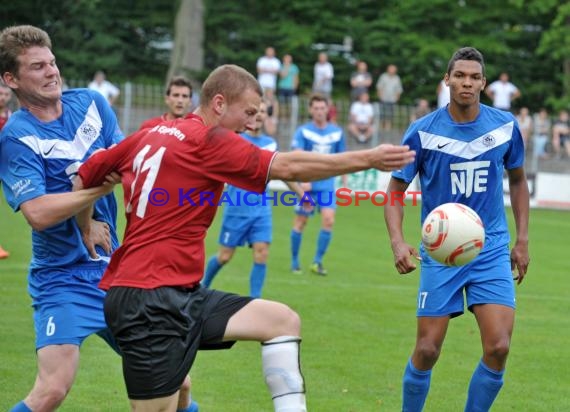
pixel 464 163
pixel 39 158
pixel 329 139
pixel 239 202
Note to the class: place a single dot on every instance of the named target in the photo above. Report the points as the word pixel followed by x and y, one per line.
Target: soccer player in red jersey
pixel 178 99
pixel 173 176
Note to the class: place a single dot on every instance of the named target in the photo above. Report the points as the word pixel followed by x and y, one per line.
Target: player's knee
pixel 428 351
pixel 299 223
pixel 52 396
pixel 224 257
pixel 498 350
pixel 261 255
pixel 289 323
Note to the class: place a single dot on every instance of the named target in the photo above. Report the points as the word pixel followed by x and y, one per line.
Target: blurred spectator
pixel 502 92
pixel 525 124
pixel 360 81
pixel 5 97
pixel 542 128
pixel 323 74
pixel 271 120
pixel 268 67
pixel 561 135
pixel 332 115
pixel 422 108
pixel 105 87
pixel 389 89
pixel 361 118
pixel 443 95
pixel 5 113
pixel 288 79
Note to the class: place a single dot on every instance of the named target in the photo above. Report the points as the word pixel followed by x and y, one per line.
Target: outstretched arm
pixel 308 166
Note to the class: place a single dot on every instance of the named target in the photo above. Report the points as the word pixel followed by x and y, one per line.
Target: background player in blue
pixel 322 137
pixel 243 223
pixel 462 151
pixel 41 148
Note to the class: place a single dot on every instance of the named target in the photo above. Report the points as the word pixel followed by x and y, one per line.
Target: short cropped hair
pixel 316 97
pixel 466 53
pixel 14 40
pixel 178 81
pixel 230 81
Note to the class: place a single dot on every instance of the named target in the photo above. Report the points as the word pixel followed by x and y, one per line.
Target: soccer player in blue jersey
pixel 248 220
pixel 318 136
pixel 462 151
pixel 41 148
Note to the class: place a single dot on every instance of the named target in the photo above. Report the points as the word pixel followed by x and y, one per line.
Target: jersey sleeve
pixel 229 158
pixel 21 171
pixel 298 142
pixel 94 170
pixel 412 139
pixel 514 157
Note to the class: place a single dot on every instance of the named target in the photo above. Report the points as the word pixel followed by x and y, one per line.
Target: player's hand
pixel 520 260
pixel 306 186
pixel 96 234
pixel 112 178
pixel 403 254
pixel 388 157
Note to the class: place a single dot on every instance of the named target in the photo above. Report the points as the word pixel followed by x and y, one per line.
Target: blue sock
pixel 322 244
pixel 256 279
pixel 20 407
pixel 193 407
pixel 296 238
pixel 212 269
pixel 416 387
pixel 483 389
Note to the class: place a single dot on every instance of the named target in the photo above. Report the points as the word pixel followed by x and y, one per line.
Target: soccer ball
pixel 453 234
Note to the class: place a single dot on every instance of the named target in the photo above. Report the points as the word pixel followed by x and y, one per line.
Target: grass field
pixel 358 326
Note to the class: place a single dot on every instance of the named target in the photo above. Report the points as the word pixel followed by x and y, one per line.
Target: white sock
pixel 282 371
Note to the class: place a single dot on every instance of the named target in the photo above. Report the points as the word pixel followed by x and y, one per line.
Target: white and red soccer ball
pixel 453 234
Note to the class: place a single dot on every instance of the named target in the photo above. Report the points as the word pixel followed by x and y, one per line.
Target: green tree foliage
pixel 529 39
pixel 89 35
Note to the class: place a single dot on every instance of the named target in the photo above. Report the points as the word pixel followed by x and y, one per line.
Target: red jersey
pixel 173 176
pixel 4 118
pixel 154 121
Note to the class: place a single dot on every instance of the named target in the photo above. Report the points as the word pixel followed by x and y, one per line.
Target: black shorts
pixel 160 330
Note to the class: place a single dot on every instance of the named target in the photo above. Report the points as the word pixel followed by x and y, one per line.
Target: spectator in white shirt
pixel 502 92
pixel 361 125
pixel 268 67
pixel 105 87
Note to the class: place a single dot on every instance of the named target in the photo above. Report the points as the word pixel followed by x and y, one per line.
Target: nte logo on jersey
pixel 469 177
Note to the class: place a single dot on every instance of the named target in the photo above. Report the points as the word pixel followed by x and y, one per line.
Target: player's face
pixel 466 81
pixel 260 118
pixel 241 114
pixel 319 111
pixel 178 101
pixel 38 80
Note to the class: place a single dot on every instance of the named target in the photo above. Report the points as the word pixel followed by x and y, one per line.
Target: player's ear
pixel 219 104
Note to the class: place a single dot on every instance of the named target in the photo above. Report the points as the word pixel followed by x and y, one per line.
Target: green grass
pixel 358 326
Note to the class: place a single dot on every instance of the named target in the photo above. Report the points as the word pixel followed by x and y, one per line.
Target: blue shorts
pixel 239 230
pixel 323 199
pixel 487 279
pixel 68 305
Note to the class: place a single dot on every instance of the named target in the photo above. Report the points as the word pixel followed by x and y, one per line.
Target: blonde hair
pixel 230 81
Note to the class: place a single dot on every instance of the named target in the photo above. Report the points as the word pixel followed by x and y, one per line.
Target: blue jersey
pixel 464 163
pixel 329 139
pixel 39 158
pixel 239 202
